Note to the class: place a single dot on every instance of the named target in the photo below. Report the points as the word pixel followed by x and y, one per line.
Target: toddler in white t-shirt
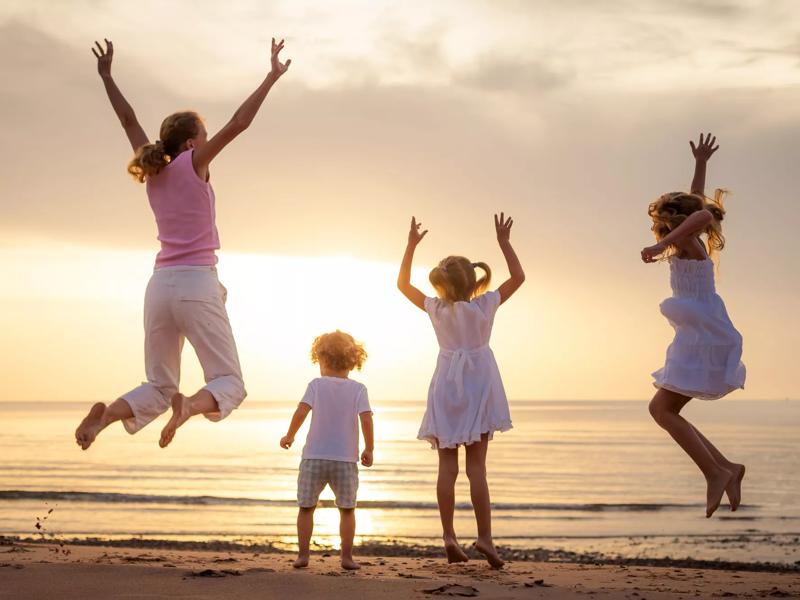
pixel 330 456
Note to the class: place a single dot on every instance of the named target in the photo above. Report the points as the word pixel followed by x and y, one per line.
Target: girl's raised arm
pixel 136 135
pixel 503 228
pixel 404 277
pixel 702 152
pixel 243 116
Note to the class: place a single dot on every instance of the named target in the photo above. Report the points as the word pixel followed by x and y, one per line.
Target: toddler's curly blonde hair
pixel 339 351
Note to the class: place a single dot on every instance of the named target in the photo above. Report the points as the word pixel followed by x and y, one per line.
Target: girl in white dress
pixel 704 359
pixel 466 399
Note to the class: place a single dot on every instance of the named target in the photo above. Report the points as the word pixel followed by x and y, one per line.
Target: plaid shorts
pixel 316 473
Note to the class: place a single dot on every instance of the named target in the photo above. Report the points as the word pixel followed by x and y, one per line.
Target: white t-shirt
pixel 335 405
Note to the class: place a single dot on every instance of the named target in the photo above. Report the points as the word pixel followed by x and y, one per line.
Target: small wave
pixel 120 498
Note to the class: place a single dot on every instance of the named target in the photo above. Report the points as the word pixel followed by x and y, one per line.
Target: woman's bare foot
pixel 454 551
pixel 716 487
pixel 487 549
pixel 301 562
pixel 180 414
pixel 734 488
pixel 91 425
pixel 349 564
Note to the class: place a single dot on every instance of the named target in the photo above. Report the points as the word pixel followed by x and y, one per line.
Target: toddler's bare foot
pixel 734 488
pixel 349 564
pixel 716 487
pixel 301 562
pixel 180 414
pixel 454 551
pixel 87 431
pixel 487 549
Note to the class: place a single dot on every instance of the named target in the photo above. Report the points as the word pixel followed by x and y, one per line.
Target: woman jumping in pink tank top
pixel 184 298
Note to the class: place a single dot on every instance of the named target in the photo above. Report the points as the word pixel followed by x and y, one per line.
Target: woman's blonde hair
pixel 175 130
pixel 339 351
pixel 454 279
pixel 670 210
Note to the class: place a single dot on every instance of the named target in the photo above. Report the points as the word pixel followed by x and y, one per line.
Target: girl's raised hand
pixel 104 57
pixel 414 234
pixel 651 253
pixel 278 68
pixel 705 147
pixel 503 228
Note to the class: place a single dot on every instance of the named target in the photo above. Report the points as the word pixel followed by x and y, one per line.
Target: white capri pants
pixel 185 302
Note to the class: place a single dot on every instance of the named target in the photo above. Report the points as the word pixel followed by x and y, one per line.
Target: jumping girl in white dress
pixel 466 399
pixel 184 298
pixel 704 359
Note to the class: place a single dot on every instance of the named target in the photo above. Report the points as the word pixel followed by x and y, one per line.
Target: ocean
pixel 582 476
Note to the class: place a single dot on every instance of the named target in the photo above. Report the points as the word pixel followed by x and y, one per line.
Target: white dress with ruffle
pixel 466 396
pixel 704 358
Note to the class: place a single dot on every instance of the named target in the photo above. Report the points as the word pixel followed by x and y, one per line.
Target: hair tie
pixel 474 265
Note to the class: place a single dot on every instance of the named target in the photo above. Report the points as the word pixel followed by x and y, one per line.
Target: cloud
pixel 515 75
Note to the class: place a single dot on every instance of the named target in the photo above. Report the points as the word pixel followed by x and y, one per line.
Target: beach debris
pixel 145 558
pixel 225 560
pixel 260 570
pixel 775 592
pixel 214 573
pixel 537 583
pixel 453 589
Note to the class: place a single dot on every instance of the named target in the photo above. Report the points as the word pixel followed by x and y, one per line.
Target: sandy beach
pixel 37 570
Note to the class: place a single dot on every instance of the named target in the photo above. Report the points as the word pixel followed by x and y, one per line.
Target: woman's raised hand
pixel 414 234
pixel 503 227
pixel 104 57
pixel 704 148
pixel 278 68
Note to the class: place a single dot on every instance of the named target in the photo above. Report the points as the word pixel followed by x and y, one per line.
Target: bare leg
pixel 446 497
pixel 347 531
pixel 305 527
pixel 665 408
pixel 185 407
pixel 100 416
pixel 734 488
pixel 481 504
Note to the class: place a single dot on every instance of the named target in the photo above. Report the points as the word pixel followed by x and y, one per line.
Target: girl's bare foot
pixel 716 487
pixel 349 564
pixel 454 551
pixel 180 414
pixel 301 562
pixel 734 488
pixel 487 549
pixel 87 431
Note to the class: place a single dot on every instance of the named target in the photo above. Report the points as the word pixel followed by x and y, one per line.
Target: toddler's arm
pixel 503 228
pixel 297 421
pixel 136 135
pixel 369 441
pixel 404 277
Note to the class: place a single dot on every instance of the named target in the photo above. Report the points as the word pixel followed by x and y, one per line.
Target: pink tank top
pixel 183 205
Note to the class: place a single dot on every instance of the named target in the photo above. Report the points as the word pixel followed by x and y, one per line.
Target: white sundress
pixel 704 358
pixel 466 396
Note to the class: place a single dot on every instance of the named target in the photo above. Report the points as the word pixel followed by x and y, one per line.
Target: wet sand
pixel 48 570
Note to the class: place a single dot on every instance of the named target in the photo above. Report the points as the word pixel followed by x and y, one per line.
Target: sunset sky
pixel 571 116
